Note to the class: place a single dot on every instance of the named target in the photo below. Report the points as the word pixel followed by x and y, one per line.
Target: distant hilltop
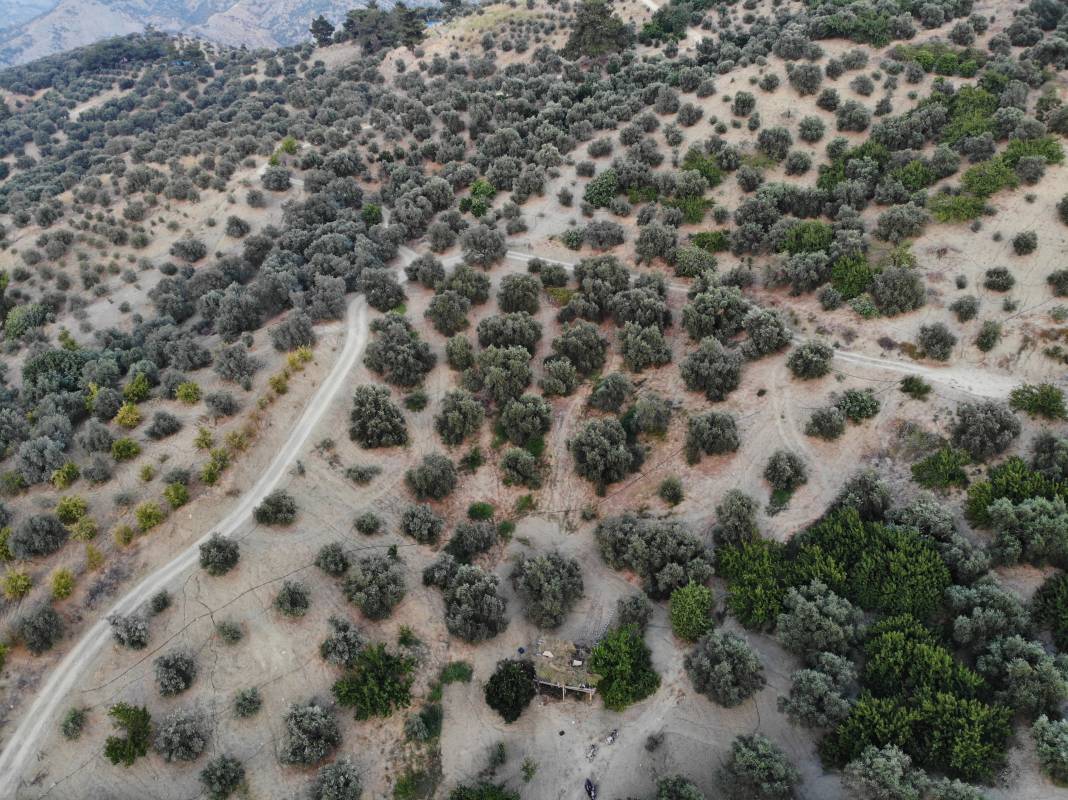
pixel 37 28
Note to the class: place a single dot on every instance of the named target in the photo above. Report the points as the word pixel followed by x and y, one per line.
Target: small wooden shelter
pixel 563 667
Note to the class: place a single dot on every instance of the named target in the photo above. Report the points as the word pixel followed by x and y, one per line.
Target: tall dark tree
pixel 323 30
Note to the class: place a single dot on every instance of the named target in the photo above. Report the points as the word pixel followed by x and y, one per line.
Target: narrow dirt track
pixel 22 744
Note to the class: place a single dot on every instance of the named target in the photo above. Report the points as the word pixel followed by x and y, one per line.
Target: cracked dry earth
pixel 280 656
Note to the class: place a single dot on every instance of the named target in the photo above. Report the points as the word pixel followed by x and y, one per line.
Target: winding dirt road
pixel 23 742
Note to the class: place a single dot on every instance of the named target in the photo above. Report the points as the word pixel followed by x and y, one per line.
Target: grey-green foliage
pixel 343 645
pixel 1034 531
pixel 551 584
pixel 718 311
pixel 516 329
pixel 376 585
pixel 332 559
pixel 985 611
pixel 712 369
pixel 650 413
pixel 219 554
pixel 130 631
pixel 643 347
pixel 434 478
pixel 519 293
pixel 816 620
pixel 581 343
pixel 474 610
pixel 735 519
pixel 757 769
pixel 936 341
pixel 421 523
pixel 601 452
pixel 663 553
pixel 767 333
pixel 501 372
pixel 725 668
pixel 175 672
pixel 337 781
pixel 897 290
pixel 376 421
pixel 293 598
pixel 525 418
pixel 827 423
pixel 180 736
pixel 520 467
pixel 560 378
pixel 1051 747
pixel 1049 455
pixel 711 433
pixel 634 609
pixel 222 776
pixel 397 353
pixel 1024 676
pixel 471 538
pixel 311 734
pixel 819 694
pixel 459 353
pixel 811 359
pixel 447 311
pixel 611 392
pixel 459 417
pixel 867 493
pixel 470 283
pixel 984 429
pixel 785 471
pixel 884 773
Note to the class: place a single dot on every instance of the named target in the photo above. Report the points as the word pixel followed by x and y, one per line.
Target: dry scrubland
pixel 676 742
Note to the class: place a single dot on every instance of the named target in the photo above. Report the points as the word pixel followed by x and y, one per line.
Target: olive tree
pixel 550 584
pixel 725 668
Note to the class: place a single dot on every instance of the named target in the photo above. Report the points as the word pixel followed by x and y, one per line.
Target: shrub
pixel 1043 400
pixel 219 555
pixel 180 737
pixel 247 702
pixel 811 359
pixel 510 688
pixel 459 418
pixel 818 696
pixel 936 341
pixel 664 554
pixel 134 724
pixel 550 584
pixel 690 611
pixel 785 471
pixel 343 645
pixel 434 478
pixel 724 667
pixel 942 469
pixel 611 392
pixel 857 404
pixel 376 420
pixel 711 433
pixel 36 536
pixel 984 429
pixel 130 631
pixel 277 508
pixel 376 585
pixel 422 524
pixel 623 661
pixel 175 672
pixel 222 776
pixel 758 770
pixel 1051 747
pixel 293 599
pixel 378 683
pixel 999 279
pixel 311 734
pixel 711 369
pixel 816 620
pixel 1025 243
pixel 337 781
pixel 601 452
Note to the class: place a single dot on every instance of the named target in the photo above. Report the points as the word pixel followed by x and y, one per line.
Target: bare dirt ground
pixel 280 656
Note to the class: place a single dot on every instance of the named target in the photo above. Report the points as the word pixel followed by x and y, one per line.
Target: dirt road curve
pixel 22 744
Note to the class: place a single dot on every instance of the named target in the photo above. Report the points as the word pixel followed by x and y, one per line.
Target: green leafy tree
pixel 623 661
pixel 378 683
pixel 510 688
pixel 690 611
pixel 134 727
